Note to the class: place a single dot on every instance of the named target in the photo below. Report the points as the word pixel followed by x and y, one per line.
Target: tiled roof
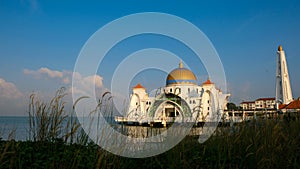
pixel 208 82
pixel 139 86
pixel 294 104
pixel 282 106
pixel 247 102
pixel 264 99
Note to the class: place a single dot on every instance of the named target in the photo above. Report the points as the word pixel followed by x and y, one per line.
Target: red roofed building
pixel 293 106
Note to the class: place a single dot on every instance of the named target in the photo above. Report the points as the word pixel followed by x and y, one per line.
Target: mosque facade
pixel 180 97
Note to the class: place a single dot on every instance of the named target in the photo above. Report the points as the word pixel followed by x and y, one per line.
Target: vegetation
pixel 49 121
pixel 56 141
pixel 231 106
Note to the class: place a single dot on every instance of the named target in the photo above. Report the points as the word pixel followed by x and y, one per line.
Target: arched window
pixel 177 91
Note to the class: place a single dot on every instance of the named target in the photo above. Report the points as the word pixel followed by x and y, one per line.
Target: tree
pixel 231 106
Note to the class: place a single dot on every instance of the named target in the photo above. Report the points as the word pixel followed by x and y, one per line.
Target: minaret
pixel 283 85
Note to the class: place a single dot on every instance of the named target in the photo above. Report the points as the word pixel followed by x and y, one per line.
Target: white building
pixel 181 97
pixel 260 103
pixel 248 105
pixel 265 103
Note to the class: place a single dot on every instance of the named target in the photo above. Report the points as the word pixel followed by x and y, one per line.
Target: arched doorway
pixel 170 108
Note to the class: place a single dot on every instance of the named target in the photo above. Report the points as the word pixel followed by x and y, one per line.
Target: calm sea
pixel 16 126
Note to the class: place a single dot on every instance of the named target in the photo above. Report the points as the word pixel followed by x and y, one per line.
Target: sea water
pixel 14 127
pixel 17 128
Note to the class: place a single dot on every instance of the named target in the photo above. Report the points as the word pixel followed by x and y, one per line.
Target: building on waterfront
pixel 293 106
pixel 247 105
pixel 265 103
pixel 181 96
pixel 260 103
pixel 283 85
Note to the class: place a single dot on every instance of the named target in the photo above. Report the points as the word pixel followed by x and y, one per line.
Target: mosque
pixel 181 98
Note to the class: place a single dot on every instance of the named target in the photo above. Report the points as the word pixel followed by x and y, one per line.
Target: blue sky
pixel 40 41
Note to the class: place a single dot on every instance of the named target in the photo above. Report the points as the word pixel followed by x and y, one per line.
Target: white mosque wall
pixel 202 100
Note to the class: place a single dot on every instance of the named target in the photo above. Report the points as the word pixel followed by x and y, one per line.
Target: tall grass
pixel 50 121
pixel 258 144
pixel 56 140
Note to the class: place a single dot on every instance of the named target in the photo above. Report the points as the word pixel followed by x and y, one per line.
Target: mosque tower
pixel 283 85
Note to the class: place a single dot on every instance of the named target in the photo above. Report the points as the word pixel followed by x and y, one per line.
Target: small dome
pixel 138 86
pixel 208 82
pixel 279 48
pixel 181 75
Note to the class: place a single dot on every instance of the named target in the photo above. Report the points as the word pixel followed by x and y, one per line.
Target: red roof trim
pixel 282 106
pixel 294 104
pixel 248 102
pixel 139 86
pixel 264 99
pixel 208 82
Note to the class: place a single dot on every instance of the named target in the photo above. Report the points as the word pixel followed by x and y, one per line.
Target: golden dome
pixel 181 75
pixel 279 48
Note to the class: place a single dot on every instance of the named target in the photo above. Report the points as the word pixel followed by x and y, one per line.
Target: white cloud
pixel 90 80
pixel 44 71
pixel 84 83
pixel 11 99
pixel 66 80
pixel 9 90
pixel 51 73
pixel 13 102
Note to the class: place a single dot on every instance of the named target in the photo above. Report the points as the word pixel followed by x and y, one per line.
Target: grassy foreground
pixel 273 143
